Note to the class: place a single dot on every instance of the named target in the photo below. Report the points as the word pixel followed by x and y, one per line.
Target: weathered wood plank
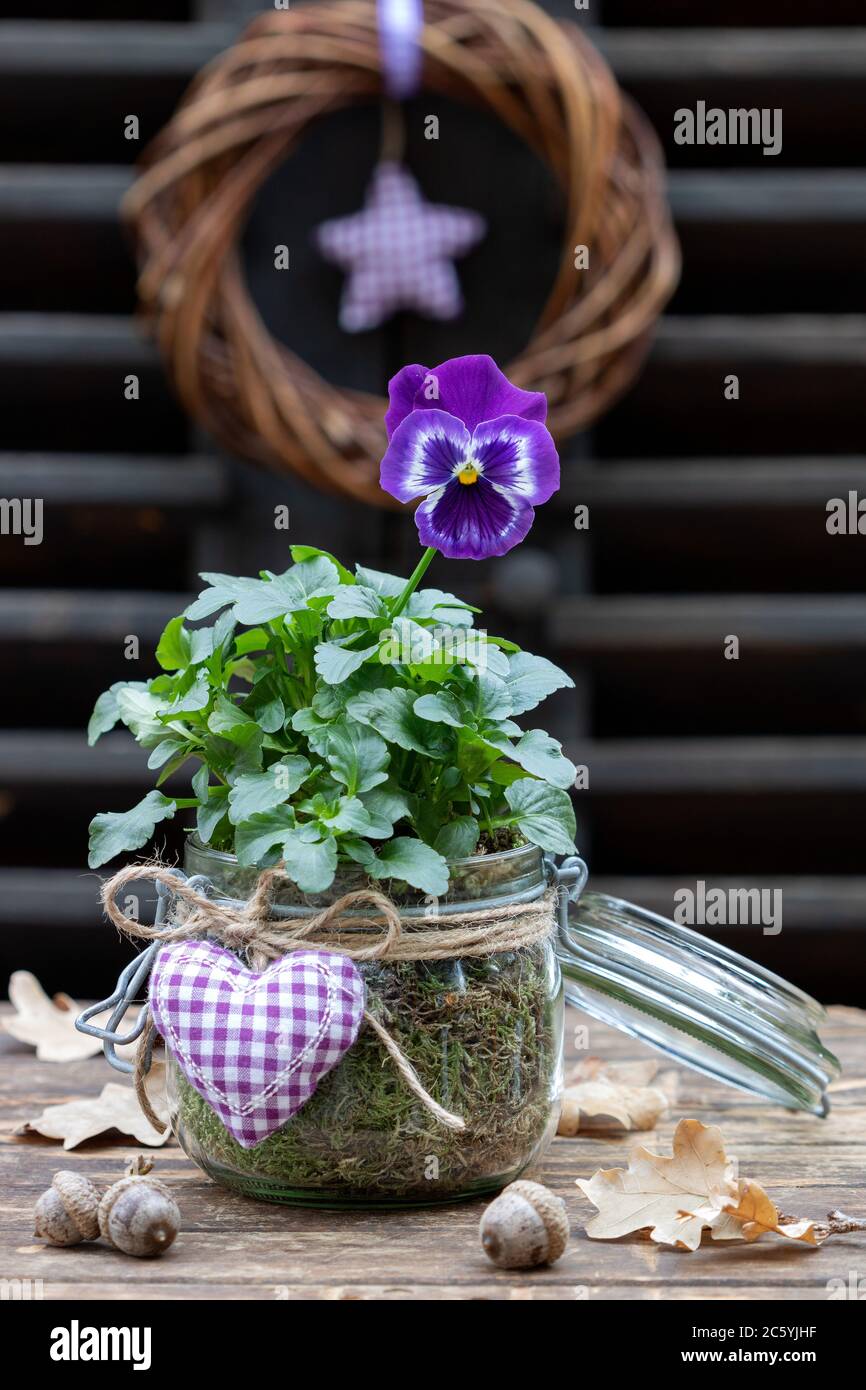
pixel 765 338
pixel 43 340
pixel 232 1248
pixel 825 338
pixel 746 13
pixel 697 483
pixel 606 622
pixel 832 904
pixel 162 50
pixel 789 196
pixel 669 55
pixel 52 757
pixel 106 49
pixel 129 479
pixel 93 192
pixel 706 766
pixel 63 615
pixel 62 192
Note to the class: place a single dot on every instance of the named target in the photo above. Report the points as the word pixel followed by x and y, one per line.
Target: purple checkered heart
pixel 255 1045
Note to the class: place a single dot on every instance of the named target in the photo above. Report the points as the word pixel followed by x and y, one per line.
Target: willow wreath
pixel 246 111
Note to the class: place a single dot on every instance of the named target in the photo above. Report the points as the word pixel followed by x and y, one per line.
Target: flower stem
pixel 413 581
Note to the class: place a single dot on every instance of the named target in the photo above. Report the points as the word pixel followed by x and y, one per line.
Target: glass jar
pixel 484 1035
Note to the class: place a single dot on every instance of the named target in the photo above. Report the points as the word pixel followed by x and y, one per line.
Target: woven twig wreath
pixel 250 107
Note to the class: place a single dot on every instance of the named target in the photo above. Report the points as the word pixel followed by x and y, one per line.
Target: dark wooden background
pixel 707 516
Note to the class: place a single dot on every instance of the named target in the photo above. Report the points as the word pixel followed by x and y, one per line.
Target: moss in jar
pixel 483 1035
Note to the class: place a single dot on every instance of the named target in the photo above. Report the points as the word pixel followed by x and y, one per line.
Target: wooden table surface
pixel 233 1248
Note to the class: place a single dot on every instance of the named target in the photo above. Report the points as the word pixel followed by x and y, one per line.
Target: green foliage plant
pixel 326 718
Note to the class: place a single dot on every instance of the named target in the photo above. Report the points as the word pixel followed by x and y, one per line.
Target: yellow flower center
pixel 468 474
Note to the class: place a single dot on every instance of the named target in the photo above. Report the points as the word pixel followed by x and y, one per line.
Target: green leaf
pixel 389 585
pixel 330 701
pixel 270 715
pixel 312 864
pixel 138 709
pixel 256 640
pixel 265 705
pixel 173 650
pixel 443 708
pixel 289 592
pixel 407 643
pixel 114 832
pixel 212 808
pixel 489 697
pixel 224 589
pixel 435 672
pixel 361 852
pixel 309 552
pixel 350 814
pixel 196 697
pixel 207 641
pixel 531 679
pixel 475 756
pixel 230 722
pixel 200 782
pixel 256 837
pixel 233 757
pixel 439 607
pixel 169 748
pixel 106 712
pixel 201 644
pixel 413 862
pixel 504 643
pixel 356 601
pixel 307 722
pixel 334 663
pixel 356 756
pixel 391 714
pixel 541 755
pixel 503 774
pixel 486 657
pixel 543 814
pixel 262 791
pixel 387 803
pixel 457 839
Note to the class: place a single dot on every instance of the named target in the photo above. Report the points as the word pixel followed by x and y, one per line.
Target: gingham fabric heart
pixel 255 1045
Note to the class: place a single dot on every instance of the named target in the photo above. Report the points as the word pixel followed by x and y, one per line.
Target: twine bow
pixel 377 934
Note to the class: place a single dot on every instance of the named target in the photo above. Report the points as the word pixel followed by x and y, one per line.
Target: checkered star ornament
pixel 398 252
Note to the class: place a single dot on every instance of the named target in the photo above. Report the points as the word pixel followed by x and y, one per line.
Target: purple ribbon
pixel 400 24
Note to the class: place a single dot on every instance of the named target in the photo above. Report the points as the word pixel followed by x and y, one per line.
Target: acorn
pixel 66 1213
pixel 138 1214
pixel 525 1226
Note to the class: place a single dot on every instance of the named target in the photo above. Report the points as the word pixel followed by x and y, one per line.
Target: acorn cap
pixel 66 1213
pixel 525 1226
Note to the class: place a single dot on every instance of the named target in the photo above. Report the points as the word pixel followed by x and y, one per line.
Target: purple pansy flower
pixel 482 460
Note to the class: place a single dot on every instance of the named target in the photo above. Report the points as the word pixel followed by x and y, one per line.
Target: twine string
pixel 380 934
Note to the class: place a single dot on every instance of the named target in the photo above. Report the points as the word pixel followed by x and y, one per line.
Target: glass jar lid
pixel 695 1000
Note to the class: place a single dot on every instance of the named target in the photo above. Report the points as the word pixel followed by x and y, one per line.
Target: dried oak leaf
pixel 752 1214
pixel 46 1024
pixel 116 1107
pixel 638 1073
pixel 665 1195
pixel 599 1092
